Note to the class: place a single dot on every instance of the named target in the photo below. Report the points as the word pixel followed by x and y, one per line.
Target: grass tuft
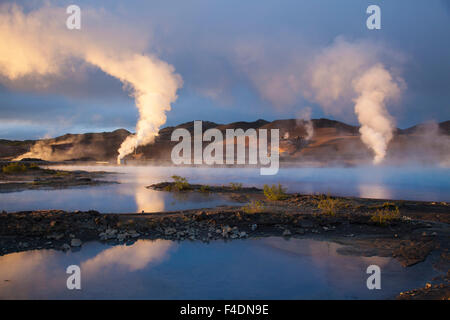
pixel 235 186
pixel 180 184
pixel 274 192
pixel 385 215
pixel 253 207
pixel 14 168
pixel 329 205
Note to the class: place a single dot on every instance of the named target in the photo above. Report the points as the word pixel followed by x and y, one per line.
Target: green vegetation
pixel 329 205
pixel 14 168
pixel 62 173
pixel 253 207
pixel 274 192
pixel 33 166
pixel 205 188
pixel 235 186
pixel 180 184
pixel 384 216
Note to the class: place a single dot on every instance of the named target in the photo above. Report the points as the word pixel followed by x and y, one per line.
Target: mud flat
pixel 19 176
pixel 408 231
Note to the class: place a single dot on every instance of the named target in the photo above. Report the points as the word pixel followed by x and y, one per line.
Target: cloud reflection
pixel 374 191
pixel 131 258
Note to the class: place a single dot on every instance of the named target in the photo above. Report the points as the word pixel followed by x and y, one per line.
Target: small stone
pixel 75 242
pixel 286 233
pixel 254 227
pixel 65 247
pixel 225 231
pixel 243 234
pixel 111 231
pixel 169 231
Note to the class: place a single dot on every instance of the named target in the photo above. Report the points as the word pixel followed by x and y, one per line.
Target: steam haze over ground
pixel 254 61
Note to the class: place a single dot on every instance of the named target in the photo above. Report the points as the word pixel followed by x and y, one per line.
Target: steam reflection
pixel 129 258
pixel 374 191
pixel 269 268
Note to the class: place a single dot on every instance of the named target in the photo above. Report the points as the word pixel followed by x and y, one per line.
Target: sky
pixel 238 60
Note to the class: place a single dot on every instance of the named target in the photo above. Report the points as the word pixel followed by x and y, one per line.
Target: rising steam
pixel 350 72
pixel 37 44
pixel 304 116
pixel 374 87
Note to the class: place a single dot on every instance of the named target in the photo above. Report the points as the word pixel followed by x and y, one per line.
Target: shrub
pixel 180 183
pixel 62 173
pixel 33 166
pixel 235 186
pixel 386 215
pixel 253 207
pixel 205 188
pixel 14 168
pixel 329 205
pixel 274 192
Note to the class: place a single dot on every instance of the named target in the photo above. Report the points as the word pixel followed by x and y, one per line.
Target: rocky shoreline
pixel 20 176
pixel 421 229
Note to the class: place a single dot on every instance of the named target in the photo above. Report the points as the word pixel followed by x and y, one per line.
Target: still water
pixel 270 268
pixel 407 183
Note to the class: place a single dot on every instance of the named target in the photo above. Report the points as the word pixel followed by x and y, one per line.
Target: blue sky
pixel 204 39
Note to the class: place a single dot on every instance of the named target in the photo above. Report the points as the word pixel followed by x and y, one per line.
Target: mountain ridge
pixel 332 141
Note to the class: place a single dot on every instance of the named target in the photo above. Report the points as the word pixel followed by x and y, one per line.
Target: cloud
pixel 102 43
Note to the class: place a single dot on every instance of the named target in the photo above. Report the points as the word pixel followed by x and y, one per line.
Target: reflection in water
pixel 270 268
pixel 130 258
pixel 428 184
pixel 333 268
pixel 374 191
pixel 148 201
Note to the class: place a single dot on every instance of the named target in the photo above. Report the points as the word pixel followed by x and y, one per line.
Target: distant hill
pixel 86 146
pixel 332 142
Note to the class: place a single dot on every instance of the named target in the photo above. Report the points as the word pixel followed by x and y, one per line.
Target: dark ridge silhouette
pixel 332 142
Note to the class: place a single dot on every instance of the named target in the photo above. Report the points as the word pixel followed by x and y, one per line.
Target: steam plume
pixel 374 87
pixel 305 115
pixel 37 44
pixel 350 72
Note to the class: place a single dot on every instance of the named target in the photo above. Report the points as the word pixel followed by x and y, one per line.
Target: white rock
pixel 111 231
pixel 169 231
pixel 75 242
